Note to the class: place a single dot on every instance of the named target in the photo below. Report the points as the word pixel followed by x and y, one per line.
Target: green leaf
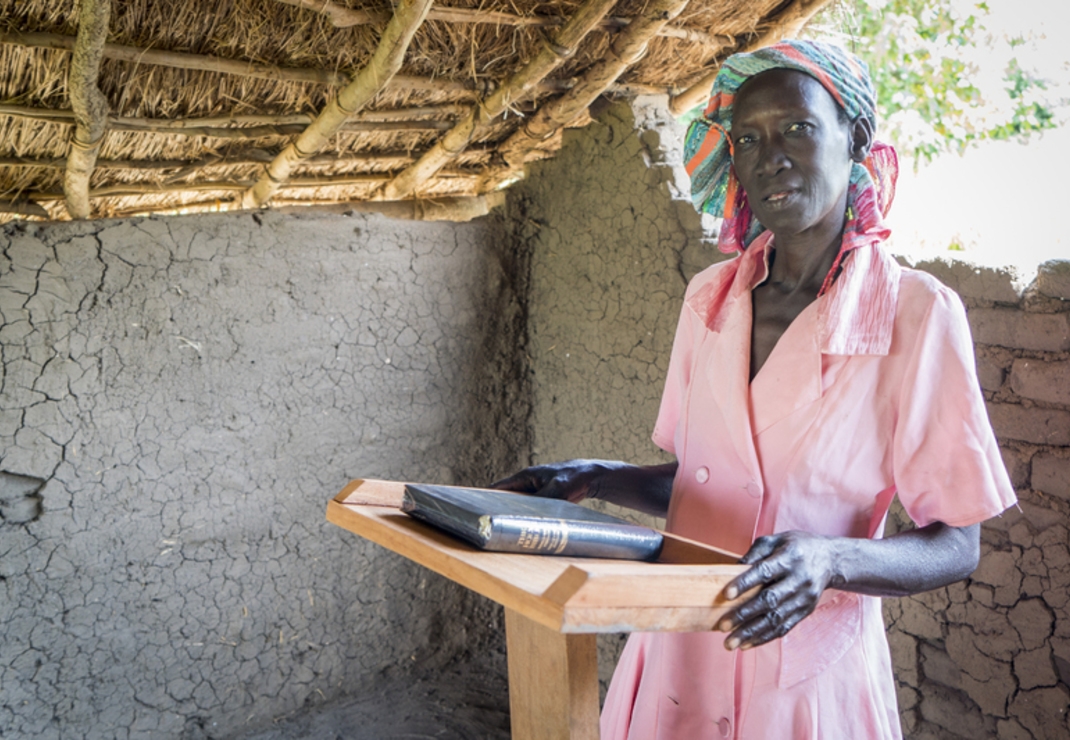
pixel 928 100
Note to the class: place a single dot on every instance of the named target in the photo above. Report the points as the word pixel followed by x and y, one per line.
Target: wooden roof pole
pixel 89 104
pixel 628 48
pixel 206 63
pixel 297 183
pixel 516 88
pixel 343 17
pixel 238 68
pixel 221 127
pixel 785 24
pixel 368 83
pixel 386 120
pixel 247 157
pixel 448 208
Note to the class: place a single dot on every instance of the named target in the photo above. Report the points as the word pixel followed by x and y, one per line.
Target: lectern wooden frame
pixel 554 606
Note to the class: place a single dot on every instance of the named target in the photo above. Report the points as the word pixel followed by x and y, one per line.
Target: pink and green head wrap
pixel 708 147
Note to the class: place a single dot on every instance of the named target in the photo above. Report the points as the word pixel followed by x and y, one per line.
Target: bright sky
pixel 1002 201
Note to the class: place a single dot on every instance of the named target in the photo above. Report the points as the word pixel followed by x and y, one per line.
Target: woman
pixel 811 380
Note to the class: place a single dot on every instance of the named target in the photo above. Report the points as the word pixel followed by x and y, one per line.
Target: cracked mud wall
pixel 179 397
pixel 612 241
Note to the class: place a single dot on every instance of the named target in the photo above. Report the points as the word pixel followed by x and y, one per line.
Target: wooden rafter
pixel 251 70
pixel 234 127
pixel 628 48
pixel 343 17
pixel 246 157
pixel 330 181
pixel 249 157
pixel 289 128
pixel 785 24
pixel 89 105
pixel 368 83
pixel 207 63
pixel 517 88
pixel 449 208
pixel 65 115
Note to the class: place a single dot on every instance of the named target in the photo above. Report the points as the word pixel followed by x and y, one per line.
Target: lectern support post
pixel 553 682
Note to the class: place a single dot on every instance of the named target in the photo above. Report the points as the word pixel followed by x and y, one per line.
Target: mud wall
pixel 613 240
pixel 179 397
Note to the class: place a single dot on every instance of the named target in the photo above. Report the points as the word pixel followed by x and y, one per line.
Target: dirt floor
pixel 456 705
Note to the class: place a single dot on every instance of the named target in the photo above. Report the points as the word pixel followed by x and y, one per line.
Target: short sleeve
pixel 676 382
pixel 946 460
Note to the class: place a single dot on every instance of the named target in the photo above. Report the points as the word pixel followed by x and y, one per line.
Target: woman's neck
pixel 802 261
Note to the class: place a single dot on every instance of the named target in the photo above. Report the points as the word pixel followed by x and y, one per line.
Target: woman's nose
pixel 772 157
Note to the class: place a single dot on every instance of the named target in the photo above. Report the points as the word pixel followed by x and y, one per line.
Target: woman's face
pixel 792 153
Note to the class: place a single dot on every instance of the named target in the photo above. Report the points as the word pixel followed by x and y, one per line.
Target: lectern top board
pixel 680 592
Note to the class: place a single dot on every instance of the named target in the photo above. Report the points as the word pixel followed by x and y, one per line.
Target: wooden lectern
pixel 554 606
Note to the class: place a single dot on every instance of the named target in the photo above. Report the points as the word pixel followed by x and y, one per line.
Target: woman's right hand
pixel 572 480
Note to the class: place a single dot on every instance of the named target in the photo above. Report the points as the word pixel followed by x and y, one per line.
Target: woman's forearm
pixel 793 569
pixel 908 562
pixel 645 488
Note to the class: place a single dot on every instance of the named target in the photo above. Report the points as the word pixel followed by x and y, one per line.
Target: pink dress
pixel 872 390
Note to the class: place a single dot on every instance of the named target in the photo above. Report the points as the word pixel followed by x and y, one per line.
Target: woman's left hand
pixel 792 570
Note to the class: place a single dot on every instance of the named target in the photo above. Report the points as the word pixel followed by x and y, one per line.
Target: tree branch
pixel 518 87
pixel 384 64
pixel 343 17
pixel 88 103
pixel 238 68
pixel 627 49
pixel 249 126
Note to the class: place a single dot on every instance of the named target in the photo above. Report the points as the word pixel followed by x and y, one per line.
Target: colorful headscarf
pixel 708 147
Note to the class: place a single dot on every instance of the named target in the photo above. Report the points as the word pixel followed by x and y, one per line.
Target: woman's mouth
pixel 778 197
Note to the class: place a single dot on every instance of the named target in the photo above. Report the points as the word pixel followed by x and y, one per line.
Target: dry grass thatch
pixel 207 100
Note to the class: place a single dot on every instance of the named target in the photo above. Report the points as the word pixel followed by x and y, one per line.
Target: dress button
pixel 725 727
pixel 702 474
pixel 753 489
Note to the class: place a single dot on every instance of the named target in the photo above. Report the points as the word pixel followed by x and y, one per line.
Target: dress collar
pixel 855 317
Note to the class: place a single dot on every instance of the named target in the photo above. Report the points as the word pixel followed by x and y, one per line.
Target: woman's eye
pixel 798 127
pixel 744 139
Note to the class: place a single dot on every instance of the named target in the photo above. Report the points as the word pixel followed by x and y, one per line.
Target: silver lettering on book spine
pixel 547 536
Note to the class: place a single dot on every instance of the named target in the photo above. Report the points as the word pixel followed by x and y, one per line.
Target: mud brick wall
pixel 613 240
pixel 990 657
pixel 179 397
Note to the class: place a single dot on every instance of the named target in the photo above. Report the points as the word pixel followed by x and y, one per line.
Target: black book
pixel 514 522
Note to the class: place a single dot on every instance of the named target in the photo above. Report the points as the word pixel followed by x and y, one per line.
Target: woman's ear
pixel 861 138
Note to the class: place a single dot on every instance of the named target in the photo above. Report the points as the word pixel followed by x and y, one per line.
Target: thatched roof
pixel 204 98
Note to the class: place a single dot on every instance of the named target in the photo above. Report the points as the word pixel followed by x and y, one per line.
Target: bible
pixel 514 522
